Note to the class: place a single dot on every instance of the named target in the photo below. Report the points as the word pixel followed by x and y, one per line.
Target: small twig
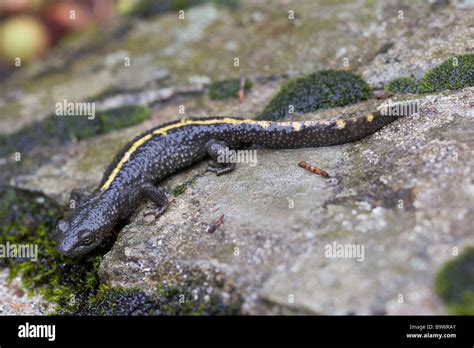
pixel 215 225
pixel 312 169
pixel 243 80
pixel 383 94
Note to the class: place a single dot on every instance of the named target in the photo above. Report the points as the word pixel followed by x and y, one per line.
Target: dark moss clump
pixel 149 8
pixel 324 89
pixel 181 188
pixel 170 300
pixel 56 130
pixel 122 117
pixel 73 284
pixel 454 283
pixel 133 301
pixel 402 85
pixel 24 206
pixel 30 218
pixel 227 88
pixel 454 73
pixel 24 218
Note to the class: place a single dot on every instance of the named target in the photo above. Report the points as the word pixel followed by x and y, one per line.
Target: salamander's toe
pixel 220 168
pixel 157 212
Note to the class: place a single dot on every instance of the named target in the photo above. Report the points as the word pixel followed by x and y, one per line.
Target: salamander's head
pixel 84 229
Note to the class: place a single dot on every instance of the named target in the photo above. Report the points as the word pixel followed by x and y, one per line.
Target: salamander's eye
pixel 88 240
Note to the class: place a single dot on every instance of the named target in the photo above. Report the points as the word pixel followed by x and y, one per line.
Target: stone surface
pixel 405 194
pixel 15 301
pixel 423 40
pixel 166 51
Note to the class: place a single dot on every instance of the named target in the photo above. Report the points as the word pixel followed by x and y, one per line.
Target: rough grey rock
pixel 166 51
pixel 424 39
pixel 15 301
pixel 405 194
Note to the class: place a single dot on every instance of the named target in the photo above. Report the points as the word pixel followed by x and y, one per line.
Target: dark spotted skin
pixel 132 177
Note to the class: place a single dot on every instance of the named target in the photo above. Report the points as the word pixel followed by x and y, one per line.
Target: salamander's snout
pixel 61 249
pixel 62 227
pixel 64 244
pixel 67 240
pixel 78 237
pixel 85 227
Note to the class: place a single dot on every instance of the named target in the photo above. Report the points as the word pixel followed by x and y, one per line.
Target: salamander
pixel 133 175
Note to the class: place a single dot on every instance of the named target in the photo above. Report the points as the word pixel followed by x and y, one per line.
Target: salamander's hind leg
pixel 217 150
pixel 158 197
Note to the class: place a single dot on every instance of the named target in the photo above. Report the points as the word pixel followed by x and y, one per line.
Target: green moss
pixel 181 188
pixel 454 283
pixel 72 284
pixel 55 130
pixel 402 85
pixel 168 301
pixel 118 301
pixel 122 117
pixel 324 89
pixel 148 8
pixel 454 73
pixel 227 88
pixel 30 220
pixel 171 297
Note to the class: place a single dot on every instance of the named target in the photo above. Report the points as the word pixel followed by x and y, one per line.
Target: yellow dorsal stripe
pixel 163 131
pixel 124 159
pixel 184 122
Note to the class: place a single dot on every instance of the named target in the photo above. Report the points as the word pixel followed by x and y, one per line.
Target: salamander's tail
pixel 297 134
pixel 343 131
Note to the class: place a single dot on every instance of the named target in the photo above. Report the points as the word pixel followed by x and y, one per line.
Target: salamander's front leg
pixel 217 150
pixel 158 197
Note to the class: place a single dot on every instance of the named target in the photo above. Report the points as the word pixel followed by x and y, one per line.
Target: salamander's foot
pixel 220 168
pixel 158 197
pixel 156 212
pixel 217 150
